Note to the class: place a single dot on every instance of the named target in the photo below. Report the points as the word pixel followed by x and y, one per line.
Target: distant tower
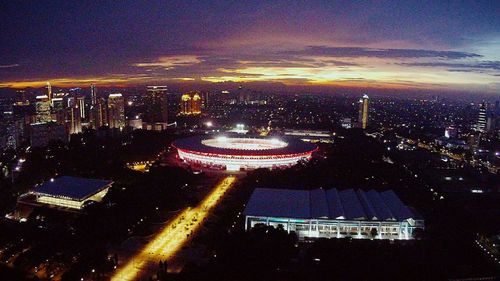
pixel 81 105
pixel 363 112
pixel 156 115
pixel 204 100
pixel 98 114
pixel 42 107
pixel 116 111
pixel 185 104
pixel 481 119
pixel 49 91
pixel 93 94
pixel 196 104
pixel 74 120
pixel 191 103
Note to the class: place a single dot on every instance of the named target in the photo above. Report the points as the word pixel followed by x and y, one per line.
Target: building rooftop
pixel 71 187
pixel 197 144
pixel 348 204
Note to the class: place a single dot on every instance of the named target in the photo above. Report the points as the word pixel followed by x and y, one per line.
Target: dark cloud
pixel 379 53
pixel 492 65
pixel 227 65
pixel 50 39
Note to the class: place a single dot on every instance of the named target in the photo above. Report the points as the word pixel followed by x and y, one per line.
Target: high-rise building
pixel 93 94
pixel 98 114
pixel 204 99
pixel 80 101
pixel 57 104
pixel 492 122
pixel 70 101
pixel 196 104
pixel 156 113
pixel 74 120
pixel 21 98
pixel 116 111
pixel 10 132
pixel 363 112
pixel 49 91
pixel 481 119
pixel 243 95
pixel 42 107
pixel 190 103
pixel 185 104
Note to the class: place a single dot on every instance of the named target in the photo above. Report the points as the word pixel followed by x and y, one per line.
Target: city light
pixel 222 139
pixel 250 140
pixel 174 235
pixel 235 153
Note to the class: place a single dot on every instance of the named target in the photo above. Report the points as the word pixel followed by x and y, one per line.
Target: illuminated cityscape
pixel 240 141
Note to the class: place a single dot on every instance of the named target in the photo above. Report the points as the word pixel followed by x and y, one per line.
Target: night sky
pixel 393 44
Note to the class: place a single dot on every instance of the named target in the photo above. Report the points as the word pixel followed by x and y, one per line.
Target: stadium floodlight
pixel 275 141
pixel 222 139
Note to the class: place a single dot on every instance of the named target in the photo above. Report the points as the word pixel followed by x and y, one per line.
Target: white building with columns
pixel 332 213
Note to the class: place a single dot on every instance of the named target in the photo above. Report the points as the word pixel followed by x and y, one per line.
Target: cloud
pixel 379 53
pixel 486 65
pixel 9 65
pixel 169 62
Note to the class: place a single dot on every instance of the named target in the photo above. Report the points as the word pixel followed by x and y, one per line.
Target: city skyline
pixel 443 46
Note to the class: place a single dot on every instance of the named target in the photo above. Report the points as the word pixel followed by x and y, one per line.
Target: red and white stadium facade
pixel 243 152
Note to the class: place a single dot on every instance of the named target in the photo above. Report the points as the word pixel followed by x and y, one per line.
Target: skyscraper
pixel 93 94
pixel 204 99
pixel 49 92
pixel 116 111
pixel 190 103
pixel 363 112
pixel 57 104
pixel 196 104
pixel 42 107
pixel 80 101
pixel 243 95
pixel 185 104
pixel 74 120
pixel 98 114
pixel 156 113
pixel 481 119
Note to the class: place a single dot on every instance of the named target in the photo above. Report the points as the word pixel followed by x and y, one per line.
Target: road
pixel 172 237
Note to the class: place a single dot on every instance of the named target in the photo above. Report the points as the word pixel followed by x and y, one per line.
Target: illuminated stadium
pixel 242 152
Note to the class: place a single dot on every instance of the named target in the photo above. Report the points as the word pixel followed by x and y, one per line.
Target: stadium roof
pixel 346 204
pixel 71 187
pixel 194 144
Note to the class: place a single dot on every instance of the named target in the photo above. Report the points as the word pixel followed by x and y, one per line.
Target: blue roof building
pixel 70 192
pixel 334 213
